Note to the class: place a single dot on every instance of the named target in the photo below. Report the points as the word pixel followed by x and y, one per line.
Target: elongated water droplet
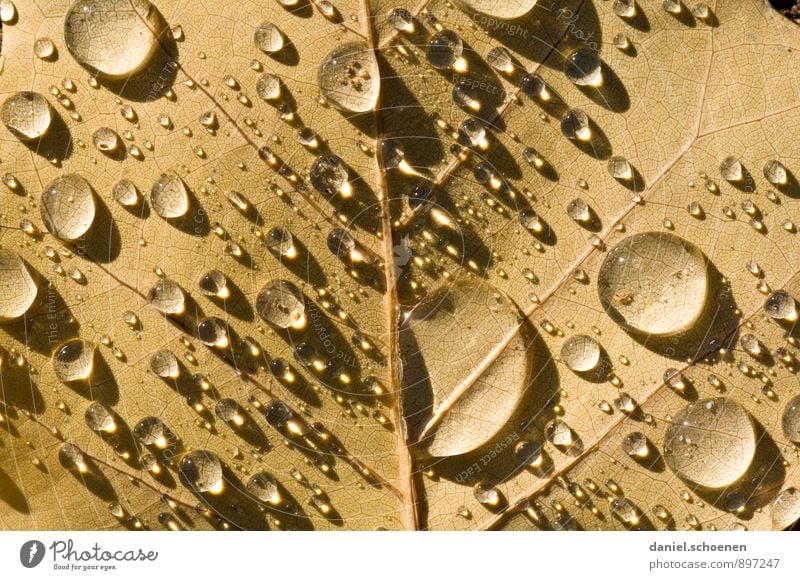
pixel 584 68
pixel 213 331
pixel 444 49
pixel 281 303
pixel 655 283
pixel 500 60
pixel 620 168
pixel 167 297
pixel 731 169
pixel 268 38
pixel 268 87
pixel 340 242
pixel 575 125
pixel 580 353
pixel 18 288
pixel 214 283
pixel 202 470
pixel 559 433
pixel 98 417
pixel 150 431
pixel 169 196
pixel 263 487
pixel 790 420
pixel 710 443
pixel 349 78
pixel 277 413
pixel 401 20
pixel 68 207
pixel 74 361
pixel 280 241
pixel 775 172
pixel 125 193
pixel 113 37
pixel 71 457
pixel 27 115
pixel 625 8
pixel 165 364
pixel 8 11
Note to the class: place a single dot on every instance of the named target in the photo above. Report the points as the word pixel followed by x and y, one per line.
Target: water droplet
pixel 8 11
pixel 500 60
pixel 580 353
pixel 785 509
pixel 625 510
pixel 263 487
pixel 444 49
pixel 654 283
pixel 349 78
pixel 214 283
pixel 486 494
pixel 635 445
pixel 527 452
pixel 98 417
pixel 71 457
pixel 340 242
pixel 584 68
pixel 268 87
pixel 229 411
pixel 44 48
pixel 559 433
pixel 213 331
pixel 578 210
pixel 165 364
pixel 791 419
pixel 202 470
pixel 74 361
pixel 750 344
pixel 672 6
pixel 18 288
pixel 780 305
pixel 278 413
pixel 401 20
pixel 125 193
pixel 105 139
pixel 268 38
pixel 169 196
pixel 529 220
pixel 68 207
pixel 575 125
pixel 621 41
pixel 329 175
pixel 620 168
pixel 499 10
pixel 113 37
pixel 473 132
pixel 280 241
pixel 710 443
pixel 150 431
pixel 281 303
pixel 731 169
pixel 625 8
pixel 775 172
pixel 167 297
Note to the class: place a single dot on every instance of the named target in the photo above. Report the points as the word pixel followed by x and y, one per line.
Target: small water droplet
pixel 169 196
pixel 580 353
pixel 280 303
pixel 584 68
pixel 74 360
pixel 268 38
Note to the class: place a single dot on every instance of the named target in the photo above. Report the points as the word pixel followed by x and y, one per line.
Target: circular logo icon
pixel 31 553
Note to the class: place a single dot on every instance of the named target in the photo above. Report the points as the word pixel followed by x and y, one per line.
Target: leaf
pixel 373 386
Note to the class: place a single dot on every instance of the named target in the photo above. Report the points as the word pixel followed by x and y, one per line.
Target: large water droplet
pixel 202 470
pixel 785 509
pixel 105 139
pixel 18 289
pixel 74 361
pixel 98 417
pixel 268 87
pixel 580 353
pixel 780 305
pixel 791 419
pixel 710 443
pixel 263 487
pixel 125 193
pixel 169 196
pixel 113 37
pixel 214 283
pixel 167 297
pixel 150 431
pixel 281 303
pixel 329 175
pixel 655 283
pixel 165 364
pixel 268 38
pixel 27 115
pixel 68 207
pixel 444 49
pixel 575 125
pixel 213 331
pixel 349 78
pixel 584 68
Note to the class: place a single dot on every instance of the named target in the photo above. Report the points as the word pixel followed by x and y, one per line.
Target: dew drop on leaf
pixel 710 443
pixel 164 364
pixel 213 331
pixel 98 417
pixel 775 172
pixel 501 9
pixel 575 125
pixel 268 38
pixel 74 360
pixel 125 193
pixel 329 175
pixel 167 297
pixel 169 196
pixel 785 509
pixel 263 487
pixel 268 87
pixel 214 283
pixel 635 445
pixel 114 37
pixel 340 242
pixel 499 58
pixel 444 49
pixel 279 241
pixel 790 420
pixel 18 289
pixel 731 169
pixel 580 353
pixel 584 68
pixel 105 139
pixel 68 207
pixel 202 471
pixel 654 283
pixel 150 431
pixel 280 303
pixel 27 115
pixel 401 20
pixel 349 78
pixel 780 305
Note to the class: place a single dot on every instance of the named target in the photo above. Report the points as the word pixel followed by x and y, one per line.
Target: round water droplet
pixel 280 241
pixel 472 131
pixel 74 361
pixel 98 417
pixel 654 283
pixel 444 49
pixel 8 11
pixel 780 305
pixel 785 509
pixel 105 139
pixel 71 457
pixel 27 115
pixel 791 419
pixel 150 431
pixel 584 68
pixel 263 487
pixel 277 413
pixel 165 364
pixel 731 169
pixel 710 443
pixel 340 242
pixel 268 87
pixel 18 288
pixel 401 20
pixel 329 175
pixel 280 303
pixel 575 125
pixel 68 207
pixel 559 433
pixel 113 37
pixel 213 331
pixel 349 78
pixel 169 196
pixel 214 283
pixel 486 494
pixel 44 48
pixel 167 297
pixel 268 38
pixel 228 410
pixel 125 193
pixel 775 172
pixel 202 470
pixel 501 9
pixel 578 210
pixel 527 452
pixel 580 353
